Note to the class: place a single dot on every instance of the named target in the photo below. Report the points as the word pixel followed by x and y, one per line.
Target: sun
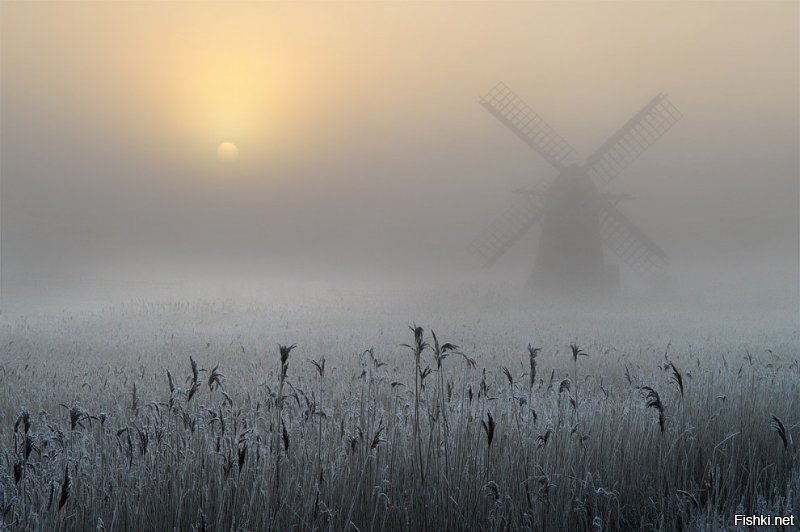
pixel 227 152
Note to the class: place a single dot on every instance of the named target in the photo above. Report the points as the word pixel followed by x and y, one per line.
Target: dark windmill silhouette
pixel 578 221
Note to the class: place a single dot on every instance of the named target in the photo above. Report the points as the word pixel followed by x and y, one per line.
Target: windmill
pixel 578 221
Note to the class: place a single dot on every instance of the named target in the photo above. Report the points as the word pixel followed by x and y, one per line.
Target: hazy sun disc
pixel 227 152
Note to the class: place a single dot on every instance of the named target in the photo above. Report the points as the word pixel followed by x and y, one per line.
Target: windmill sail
pixel 506 230
pixel 632 139
pixel 574 227
pixel 628 242
pixel 515 114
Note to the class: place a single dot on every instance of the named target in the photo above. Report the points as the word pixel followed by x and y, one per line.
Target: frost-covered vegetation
pixel 205 416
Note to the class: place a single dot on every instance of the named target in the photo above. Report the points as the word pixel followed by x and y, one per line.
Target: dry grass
pixel 129 432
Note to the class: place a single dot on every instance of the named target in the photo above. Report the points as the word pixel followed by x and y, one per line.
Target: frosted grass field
pixel 106 427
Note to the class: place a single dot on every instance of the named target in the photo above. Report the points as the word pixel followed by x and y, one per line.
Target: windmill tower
pixel 578 221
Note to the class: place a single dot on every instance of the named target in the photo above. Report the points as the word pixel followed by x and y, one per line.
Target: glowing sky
pixel 358 126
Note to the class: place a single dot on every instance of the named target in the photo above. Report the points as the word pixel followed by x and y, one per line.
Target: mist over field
pixel 364 155
pixel 238 286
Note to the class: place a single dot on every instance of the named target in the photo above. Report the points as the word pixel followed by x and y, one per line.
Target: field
pixel 205 416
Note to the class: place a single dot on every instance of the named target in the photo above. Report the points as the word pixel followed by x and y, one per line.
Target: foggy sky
pixel 363 149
